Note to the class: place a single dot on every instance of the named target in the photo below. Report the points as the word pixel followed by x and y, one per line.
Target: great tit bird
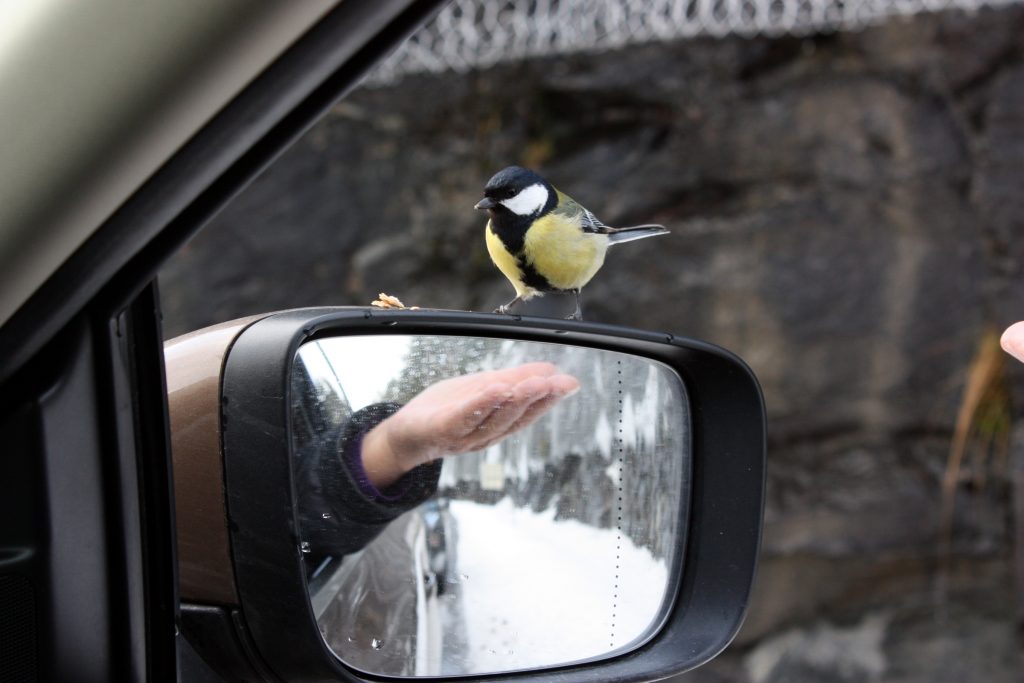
pixel 542 240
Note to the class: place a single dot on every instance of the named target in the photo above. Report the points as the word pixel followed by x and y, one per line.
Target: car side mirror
pixel 430 493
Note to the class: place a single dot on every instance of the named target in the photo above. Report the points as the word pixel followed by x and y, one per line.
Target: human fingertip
pixel 1012 340
pixel 567 386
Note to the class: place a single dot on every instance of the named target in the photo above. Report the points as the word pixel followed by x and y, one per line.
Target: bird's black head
pixel 517 192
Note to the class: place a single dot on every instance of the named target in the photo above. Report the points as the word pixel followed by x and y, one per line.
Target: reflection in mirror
pixel 541 520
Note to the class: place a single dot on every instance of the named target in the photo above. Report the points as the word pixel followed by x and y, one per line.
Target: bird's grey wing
pixel 570 208
pixel 592 224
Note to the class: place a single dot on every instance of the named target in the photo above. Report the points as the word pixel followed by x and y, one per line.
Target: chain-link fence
pixel 470 34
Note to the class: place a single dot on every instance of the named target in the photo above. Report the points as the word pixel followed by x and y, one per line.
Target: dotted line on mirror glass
pixel 618 507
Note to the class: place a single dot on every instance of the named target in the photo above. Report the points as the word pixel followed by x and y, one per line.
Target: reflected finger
pixel 525 371
pixel 533 413
pixel 475 410
pixel 562 387
pixel 497 424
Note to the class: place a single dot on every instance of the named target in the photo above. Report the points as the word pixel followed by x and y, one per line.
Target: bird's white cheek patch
pixel 529 201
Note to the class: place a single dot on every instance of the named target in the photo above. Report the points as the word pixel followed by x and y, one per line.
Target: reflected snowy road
pixel 575 570
pixel 523 582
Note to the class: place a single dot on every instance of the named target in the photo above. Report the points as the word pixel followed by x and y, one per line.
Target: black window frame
pixel 85 476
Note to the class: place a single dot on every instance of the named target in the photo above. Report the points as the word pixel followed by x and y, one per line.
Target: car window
pixel 840 185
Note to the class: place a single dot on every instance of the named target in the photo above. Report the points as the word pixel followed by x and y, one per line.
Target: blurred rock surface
pixel 847 214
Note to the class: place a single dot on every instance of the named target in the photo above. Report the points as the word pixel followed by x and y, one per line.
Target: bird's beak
pixel 485 203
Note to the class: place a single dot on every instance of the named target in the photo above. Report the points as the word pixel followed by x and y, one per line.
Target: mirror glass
pixel 476 505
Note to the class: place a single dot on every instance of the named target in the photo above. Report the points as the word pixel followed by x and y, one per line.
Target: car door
pixel 131 125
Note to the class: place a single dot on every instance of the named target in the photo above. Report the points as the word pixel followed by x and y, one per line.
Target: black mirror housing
pixel 723 533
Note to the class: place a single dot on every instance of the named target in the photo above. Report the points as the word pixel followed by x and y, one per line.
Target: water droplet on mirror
pixel 350 639
pixel 465 577
pixel 326 515
pixel 376 643
pixel 304 547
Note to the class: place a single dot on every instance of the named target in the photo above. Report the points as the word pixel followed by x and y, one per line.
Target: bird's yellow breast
pixel 559 250
pixel 505 261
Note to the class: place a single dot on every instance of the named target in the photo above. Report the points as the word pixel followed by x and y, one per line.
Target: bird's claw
pixel 501 309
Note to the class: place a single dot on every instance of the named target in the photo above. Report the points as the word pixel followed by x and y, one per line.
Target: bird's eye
pixel 509 194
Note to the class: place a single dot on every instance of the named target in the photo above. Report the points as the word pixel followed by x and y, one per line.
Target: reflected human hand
pixel 1013 340
pixel 461 414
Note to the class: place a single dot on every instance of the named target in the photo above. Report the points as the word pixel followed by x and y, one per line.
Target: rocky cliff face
pixel 847 214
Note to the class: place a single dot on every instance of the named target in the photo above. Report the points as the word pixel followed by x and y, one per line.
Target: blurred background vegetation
pixel 846 205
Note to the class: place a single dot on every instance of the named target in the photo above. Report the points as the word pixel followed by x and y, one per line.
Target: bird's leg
pixel 578 313
pixel 504 307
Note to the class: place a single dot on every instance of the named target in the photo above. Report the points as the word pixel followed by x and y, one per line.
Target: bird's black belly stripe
pixel 531 278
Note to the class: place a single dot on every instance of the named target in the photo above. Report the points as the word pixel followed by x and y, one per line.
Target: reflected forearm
pixel 381 465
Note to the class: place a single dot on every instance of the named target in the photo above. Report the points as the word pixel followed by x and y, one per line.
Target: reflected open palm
pixel 462 414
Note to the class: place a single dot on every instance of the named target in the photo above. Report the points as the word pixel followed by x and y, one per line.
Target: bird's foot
pixel 507 308
pixel 578 313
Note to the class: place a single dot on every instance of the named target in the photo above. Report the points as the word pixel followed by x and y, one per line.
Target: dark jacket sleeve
pixel 339 511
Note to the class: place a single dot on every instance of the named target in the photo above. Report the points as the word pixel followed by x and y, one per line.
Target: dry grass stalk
pixel 982 426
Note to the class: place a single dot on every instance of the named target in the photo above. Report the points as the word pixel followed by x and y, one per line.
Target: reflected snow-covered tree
pixel 609 456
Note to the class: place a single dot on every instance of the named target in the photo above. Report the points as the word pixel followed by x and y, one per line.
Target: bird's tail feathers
pixel 636 232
